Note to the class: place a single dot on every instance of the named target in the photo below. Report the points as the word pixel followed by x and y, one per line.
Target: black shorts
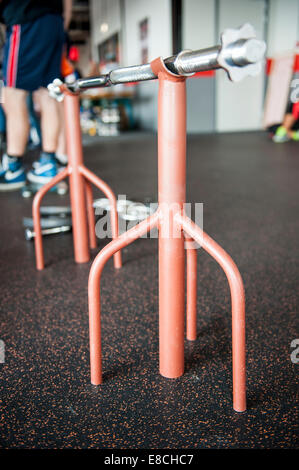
pixel 32 53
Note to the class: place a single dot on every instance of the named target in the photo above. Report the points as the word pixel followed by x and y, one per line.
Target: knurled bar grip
pixel 240 54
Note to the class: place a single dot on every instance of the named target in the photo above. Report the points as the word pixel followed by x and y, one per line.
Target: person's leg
pixel 285 132
pixel 288 122
pixel 45 168
pixel 17 121
pixel 32 59
pixel 35 130
pixel 50 120
pixel 2 129
pixel 61 152
pixel 12 173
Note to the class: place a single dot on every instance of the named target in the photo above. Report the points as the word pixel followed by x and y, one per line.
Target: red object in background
pixel 207 73
pixel 74 54
pixel 66 67
pixel 296 63
pixel 268 65
pixel 295 110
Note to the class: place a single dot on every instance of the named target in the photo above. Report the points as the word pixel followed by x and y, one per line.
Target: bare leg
pixel 17 121
pixel 61 147
pixel 288 122
pixel 50 120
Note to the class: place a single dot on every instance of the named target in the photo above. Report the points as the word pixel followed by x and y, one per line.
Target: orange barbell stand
pixel 174 228
pixel 81 199
pixel 240 54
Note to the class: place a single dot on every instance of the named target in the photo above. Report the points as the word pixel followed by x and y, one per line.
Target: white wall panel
pixel 104 11
pixel 283 26
pixel 198 23
pixel 158 13
pixel 199 26
pixel 239 106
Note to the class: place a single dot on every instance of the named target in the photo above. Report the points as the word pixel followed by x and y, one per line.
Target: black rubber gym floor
pixel 249 187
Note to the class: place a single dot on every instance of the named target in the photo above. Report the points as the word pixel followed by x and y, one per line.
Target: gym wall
pixel 214 103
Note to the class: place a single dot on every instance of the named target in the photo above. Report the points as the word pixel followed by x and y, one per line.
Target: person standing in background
pixel 32 59
pixel 2 115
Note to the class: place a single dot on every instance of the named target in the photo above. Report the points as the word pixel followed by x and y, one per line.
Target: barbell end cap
pixel 55 90
pixel 254 50
pixel 237 74
pixel 251 53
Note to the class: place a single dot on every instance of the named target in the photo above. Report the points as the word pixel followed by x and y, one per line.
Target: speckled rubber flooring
pixel 249 187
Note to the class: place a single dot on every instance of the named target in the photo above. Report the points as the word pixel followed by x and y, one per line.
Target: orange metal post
pixel 171 197
pixel 191 289
pixel 38 240
pixel 113 206
pixel 90 216
pixel 77 184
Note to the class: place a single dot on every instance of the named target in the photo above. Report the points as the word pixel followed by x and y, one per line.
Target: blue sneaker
pixel 12 173
pixel 43 170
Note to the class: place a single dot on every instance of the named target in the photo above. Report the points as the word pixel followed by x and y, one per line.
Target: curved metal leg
pixel 191 289
pixel 238 306
pixel 94 290
pixel 38 241
pixel 113 210
pixel 90 215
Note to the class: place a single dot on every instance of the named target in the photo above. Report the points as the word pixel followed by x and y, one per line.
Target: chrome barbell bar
pixel 240 54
